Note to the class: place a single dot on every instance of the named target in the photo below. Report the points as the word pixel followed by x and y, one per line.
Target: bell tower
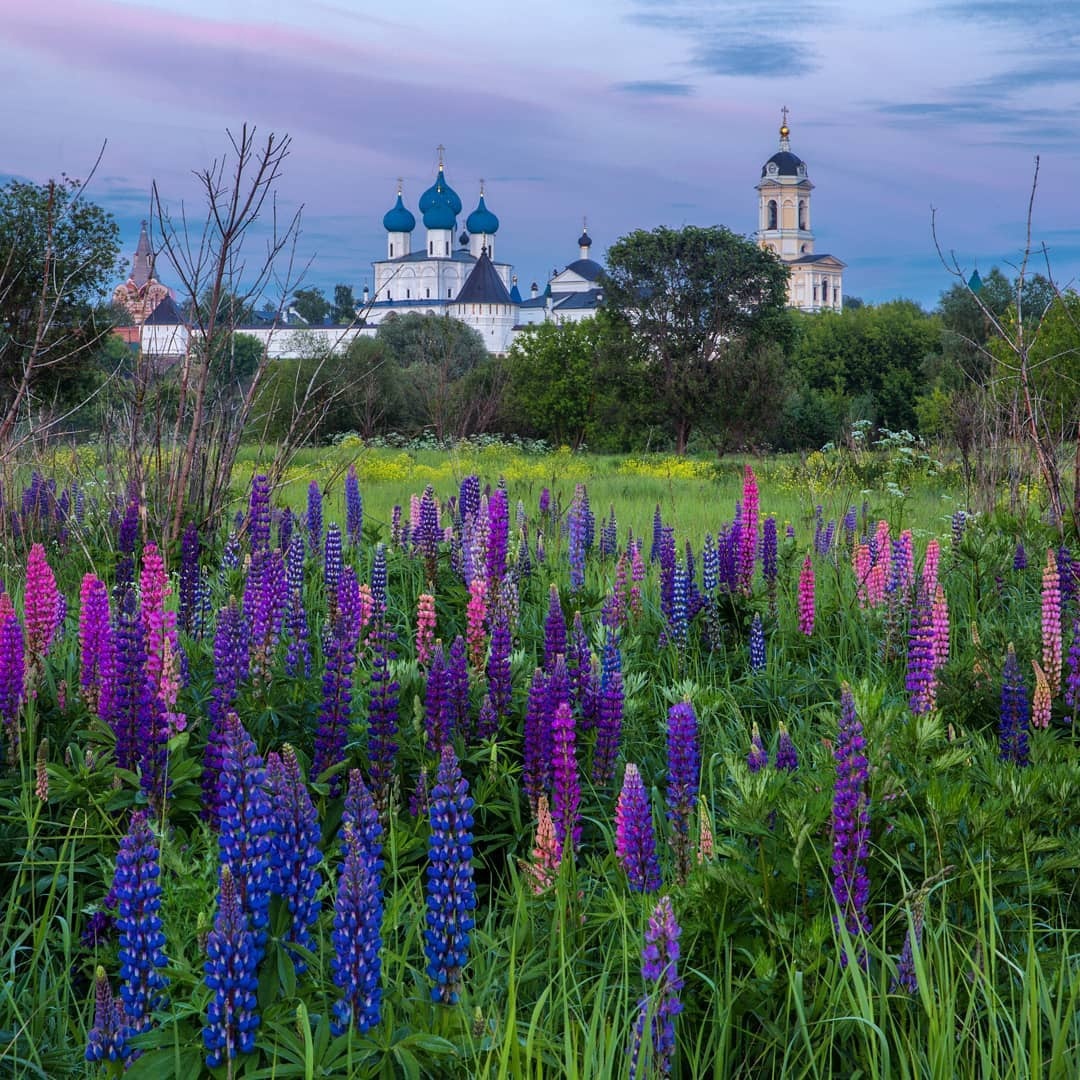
pixel 784 201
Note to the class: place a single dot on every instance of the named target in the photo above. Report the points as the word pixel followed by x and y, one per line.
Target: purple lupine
pixel 354 508
pixel 286 529
pixel 107 1038
pixel 314 520
pixel 921 677
pixel 426 534
pixel 297 647
pixel 523 565
pixel 1072 679
pixel 747 555
pixel 266 599
pixel 1015 713
pixel 245 815
pixel 609 712
pixel 1068 575
pixel 758 757
pixel 851 824
pixel 189 579
pixel 787 757
pixel 566 785
pixel 667 573
pixel 358 909
pixel 684 764
pixel 498 536
pixel 382 714
pixel 438 708
pixel 500 688
pixel 332 558
pixel 851 526
pixel 660 972
pixel 536 752
pixel 769 556
pixel 458 665
pixel 906 977
pixel 577 532
pixel 138 738
pixel 232 964
pixel 451 893
pixel 294 850
pixel 468 498
pixel 609 536
pixel 579 662
pixel 335 713
pixel 258 519
pixel 12 679
pixel 1020 559
pixel 757 644
pixel 635 838
pixel 554 630
pixel 138 921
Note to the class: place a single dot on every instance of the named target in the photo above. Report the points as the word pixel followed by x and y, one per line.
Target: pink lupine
pixel 546 853
pixel 1040 703
pixel 941 628
pixel 876 581
pixel 475 617
pixel 42 603
pixel 806 597
pixel 1051 624
pixel 861 563
pixel 747 554
pixel 930 567
pixel 425 627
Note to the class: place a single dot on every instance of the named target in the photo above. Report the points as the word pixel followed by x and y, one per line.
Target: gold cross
pixel 783 113
pixel 440 149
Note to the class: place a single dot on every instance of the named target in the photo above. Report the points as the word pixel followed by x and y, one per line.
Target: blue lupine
pixel 138 921
pixel 684 765
pixel 678 616
pixel 757 644
pixel 358 909
pixel 258 520
pixel 354 508
pixel 378 580
pixel 577 525
pixel 335 713
pixel 710 565
pixel 1015 713
pixel 758 757
pixel 787 757
pixel 382 714
pixel 451 893
pixel 610 712
pixel 468 498
pixel 294 851
pixel 297 647
pixel 314 517
pixel 332 558
pixel 232 965
pixel 500 688
pixel 107 1038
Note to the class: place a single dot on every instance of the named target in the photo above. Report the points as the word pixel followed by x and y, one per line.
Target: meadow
pixel 498 762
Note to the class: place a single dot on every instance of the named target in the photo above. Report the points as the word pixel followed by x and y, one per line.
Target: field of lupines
pixel 502 789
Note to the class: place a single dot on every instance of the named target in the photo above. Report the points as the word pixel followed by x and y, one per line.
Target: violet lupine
pixel 487 719
pixel 566 784
pixel 906 978
pixel 232 964
pixel 806 597
pixel 41 605
pixel 335 713
pixel 246 822
pixel 661 1004
pixel 554 630
pixel 758 658
pixel 358 909
pixel 635 838
pixel 354 508
pixel 297 647
pixel 579 663
pixel 657 535
pixel 126 538
pixel 921 681
pixel 500 688
pixel 138 922
pixel 1072 681
pixel 758 757
pixel 536 751
pixel 107 1038
pixel 97 658
pixel 609 713
pixel 1051 623
pixel 314 520
pixel 684 764
pixel 294 850
pixel 851 824
pixel 189 579
pixel 710 565
pixel 438 708
pixel 458 664
pixel 1015 713
pixel 382 715
pixel 667 573
pixel 576 534
pixel 770 566
pixel 266 600
pixel 787 757
pixel 469 497
pixel 1020 559
pixel 609 535
pixel 133 707
pixel 378 581
pixel 332 558
pixel 451 893
pixel 258 516
pixel 637 576
pixel 498 536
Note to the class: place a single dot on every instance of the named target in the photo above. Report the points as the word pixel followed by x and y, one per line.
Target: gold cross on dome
pixel 783 114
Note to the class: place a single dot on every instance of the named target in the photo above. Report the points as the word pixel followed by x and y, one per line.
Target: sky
pixel 628 113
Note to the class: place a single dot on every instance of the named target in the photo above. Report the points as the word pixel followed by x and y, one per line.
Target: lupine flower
pixel 757 644
pixel 475 618
pixel 266 599
pixel 906 978
pixel 851 824
pixel 1013 726
pixel 232 966
pixel 667 573
pixel 138 920
pixel 41 604
pixel 637 576
pixel 678 617
pixel 684 764
pixel 498 536
pixel 425 627
pixel 536 763
pixel 162 643
pixel 12 679
pixel 940 621
pixel 1051 624
pixel 294 850
pixel 787 758
pixel 378 580
pixel 107 1039
pixel 769 553
pixel 758 757
pixel 246 823
pixel 657 534
pixel 543 867
pixel 230 670
pixel 706 843
pixel 451 894
pixel 806 597
pixel 286 529
pixel 660 972
pixel 297 649
pixel 314 517
pixel 566 785
pixel 438 708
pixel 500 689
pixel 609 713
pixel 258 517
pixel 861 563
pixel 354 507
pixel 1040 702
pixel 382 715
pixel 1072 683
pixel 635 839
pixel 921 680
pixel 1020 559
pixel 554 630
pixel 41 771
pixel 332 558
pixel 747 553
pixel 458 666
pixel 97 667
pixel 577 526
pixel 358 911
pixel 190 575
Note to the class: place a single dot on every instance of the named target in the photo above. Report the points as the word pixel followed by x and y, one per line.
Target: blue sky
pixel 634 113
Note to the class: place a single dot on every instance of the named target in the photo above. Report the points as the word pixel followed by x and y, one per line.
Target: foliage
pixel 311 305
pixel 344 309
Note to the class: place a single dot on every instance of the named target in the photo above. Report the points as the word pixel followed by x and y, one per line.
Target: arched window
pixel 391 251
pixel 772 214
pixel 802 213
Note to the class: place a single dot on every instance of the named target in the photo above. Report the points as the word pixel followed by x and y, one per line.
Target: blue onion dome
pixel 399 218
pixel 482 221
pixel 439 193
pixel 584 240
pixel 440 216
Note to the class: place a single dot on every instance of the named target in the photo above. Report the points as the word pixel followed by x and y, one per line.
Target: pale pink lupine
pixel 414 516
pixel 425 627
pixel 42 603
pixel 546 853
pixel 1040 702
pixel 941 628
pixel 930 567
pixel 366 608
pixel 861 563
pixel 1051 624
pixel 806 597
pixel 475 618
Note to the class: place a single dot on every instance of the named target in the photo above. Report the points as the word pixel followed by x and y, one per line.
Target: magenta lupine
pixel 806 597
pixel 566 785
pixel 97 655
pixel 748 538
pixel 542 868
pixel 425 627
pixel 851 824
pixel 536 751
pixel 1051 624
pixel 930 566
pixel 635 838
pixel 861 564
pixel 684 764
pixel 41 605
pixel 758 757
pixel 660 972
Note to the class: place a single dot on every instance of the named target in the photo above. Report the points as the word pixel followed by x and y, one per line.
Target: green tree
pixel 691 298
pixel 311 305
pixel 344 311
pixel 59 257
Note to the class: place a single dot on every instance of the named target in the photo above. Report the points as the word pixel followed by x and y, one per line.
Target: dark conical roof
pixel 142 266
pixel 483 285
